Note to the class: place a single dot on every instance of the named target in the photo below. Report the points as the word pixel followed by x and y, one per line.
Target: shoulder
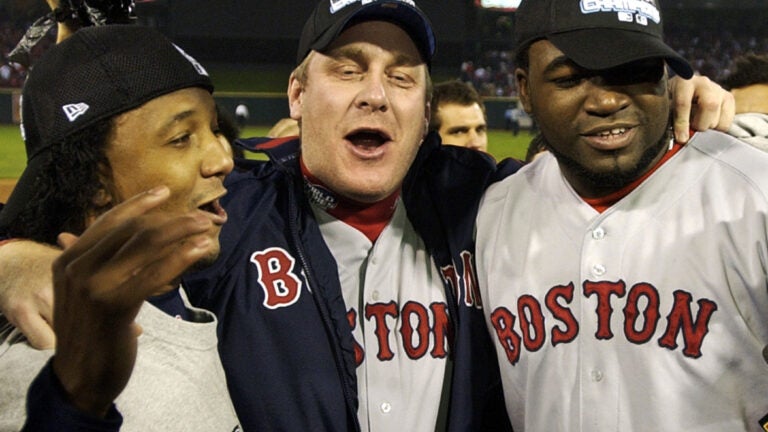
pixel 278 150
pixel 451 165
pixel 446 176
pixel 272 160
pixel 436 156
pixel 743 163
pixel 730 151
pixel 522 181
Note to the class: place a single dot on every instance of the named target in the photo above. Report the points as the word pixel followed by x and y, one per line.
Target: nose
pixel 604 100
pixel 473 141
pixel 373 93
pixel 477 140
pixel 217 159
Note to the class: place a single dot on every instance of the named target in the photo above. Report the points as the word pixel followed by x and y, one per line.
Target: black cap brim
pixel 600 49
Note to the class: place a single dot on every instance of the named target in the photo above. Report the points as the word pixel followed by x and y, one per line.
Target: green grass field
pixel 12 157
pixel 501 144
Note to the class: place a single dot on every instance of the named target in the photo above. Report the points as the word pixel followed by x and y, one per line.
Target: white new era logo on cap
pixel 73 111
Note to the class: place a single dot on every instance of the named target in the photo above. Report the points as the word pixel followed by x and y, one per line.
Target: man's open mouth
pixel 368 138
pixel 214 207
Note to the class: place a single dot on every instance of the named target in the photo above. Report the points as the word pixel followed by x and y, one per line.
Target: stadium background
pixel 249 49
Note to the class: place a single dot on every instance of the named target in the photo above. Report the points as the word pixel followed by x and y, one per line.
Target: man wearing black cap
pixel 336 250
pixel 635 298
pixel 364 224
pixel 112 112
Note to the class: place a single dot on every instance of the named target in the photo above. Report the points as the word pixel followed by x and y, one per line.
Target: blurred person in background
pixel 512 118
pixel 458 115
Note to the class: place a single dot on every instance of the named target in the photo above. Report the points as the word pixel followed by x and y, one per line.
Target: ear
pixel 101 202
pixel 295 93
pixel 104 198
pixel 427 117
pixel 523 90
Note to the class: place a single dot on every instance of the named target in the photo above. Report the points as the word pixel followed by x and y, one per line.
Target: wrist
pixel 85 398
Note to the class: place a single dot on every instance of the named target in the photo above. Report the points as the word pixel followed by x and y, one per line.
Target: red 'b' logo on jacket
pixel 281 287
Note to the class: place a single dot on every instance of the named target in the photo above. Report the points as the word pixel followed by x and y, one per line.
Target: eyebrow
pixel 345 52
pixel 358 55
pixel 408 60
pixel 459 128
pixel 560 61
pixel 175 119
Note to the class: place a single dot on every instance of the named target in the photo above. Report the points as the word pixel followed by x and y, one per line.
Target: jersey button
pixel 385 407
pixel 598 234
pixel 596 375
pixel 375 296
pixel 598 269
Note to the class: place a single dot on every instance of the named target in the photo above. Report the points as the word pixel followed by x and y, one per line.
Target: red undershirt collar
pixel 601 204
pixel 368 218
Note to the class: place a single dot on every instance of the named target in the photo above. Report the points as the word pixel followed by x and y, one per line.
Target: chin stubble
pixel 617 178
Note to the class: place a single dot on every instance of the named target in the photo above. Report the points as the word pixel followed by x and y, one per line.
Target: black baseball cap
pixel 97 73
pixel 598 35
pixel 331 17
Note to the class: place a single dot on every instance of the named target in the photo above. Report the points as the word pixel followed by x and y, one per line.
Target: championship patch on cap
pixel 635 11
pixel 599 34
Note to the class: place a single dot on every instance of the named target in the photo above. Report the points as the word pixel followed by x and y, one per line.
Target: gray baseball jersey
pixel 650 316
pixel 395 300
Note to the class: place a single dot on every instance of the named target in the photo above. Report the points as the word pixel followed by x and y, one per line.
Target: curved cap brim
pixel 599 49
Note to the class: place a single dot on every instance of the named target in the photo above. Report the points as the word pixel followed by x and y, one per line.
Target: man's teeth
pixel 617 131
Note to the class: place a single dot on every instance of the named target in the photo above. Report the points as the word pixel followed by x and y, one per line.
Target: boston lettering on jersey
pixel 527 328
pixel 282 288
pixel 416 334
